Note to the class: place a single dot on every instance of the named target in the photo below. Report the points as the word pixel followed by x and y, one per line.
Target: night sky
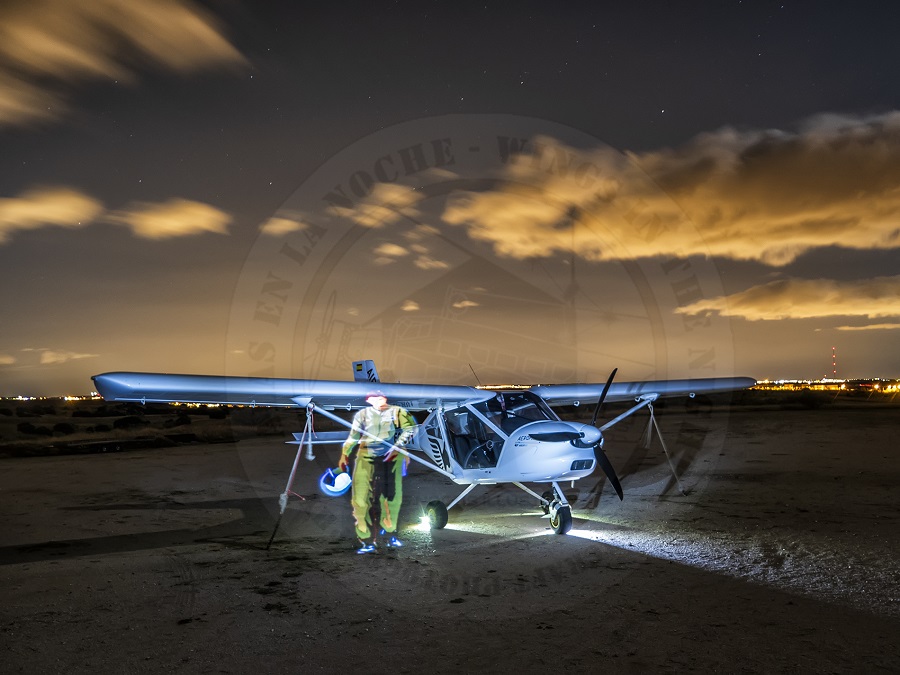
pixel 535 192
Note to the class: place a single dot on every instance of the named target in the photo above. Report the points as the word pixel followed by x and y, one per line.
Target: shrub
pixel 63 428
pixel 29 429
pixel 128 422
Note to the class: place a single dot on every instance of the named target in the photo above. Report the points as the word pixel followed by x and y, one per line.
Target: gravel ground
pixel 782 556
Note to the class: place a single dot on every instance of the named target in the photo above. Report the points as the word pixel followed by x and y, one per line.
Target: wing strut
pixel 646 401
pixel 305 437
pixel 652 424
pixel 402 451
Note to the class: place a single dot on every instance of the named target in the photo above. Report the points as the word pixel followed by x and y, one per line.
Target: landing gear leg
pixel 553 503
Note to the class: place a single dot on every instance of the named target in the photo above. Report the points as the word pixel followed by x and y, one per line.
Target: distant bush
pixel 129 422
pixel 28 429
pixel 99 429
pixel 219 413
pixel 812 399
pixel 6 412
pixel 179 421
pixel 34 410
pixel 63 428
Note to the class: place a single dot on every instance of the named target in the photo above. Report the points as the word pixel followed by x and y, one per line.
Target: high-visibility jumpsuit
pixel 377 491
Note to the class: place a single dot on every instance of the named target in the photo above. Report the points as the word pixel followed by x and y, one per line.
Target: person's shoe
pixel 367 547
pixel 393 542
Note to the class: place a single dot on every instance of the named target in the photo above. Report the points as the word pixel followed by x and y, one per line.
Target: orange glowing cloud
pixel 46 46
pixel 41 207
pixel 69 208
pixel 283 223
pixel 175 218
pixel 874 326
pixel 806 299
pixel 385 204
pixel 50 357
pixel 767 196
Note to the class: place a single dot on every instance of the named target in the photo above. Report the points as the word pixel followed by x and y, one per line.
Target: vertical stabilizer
pixel 364 371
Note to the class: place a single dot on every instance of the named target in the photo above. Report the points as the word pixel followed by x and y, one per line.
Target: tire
pixel 437 514
pixel 562 522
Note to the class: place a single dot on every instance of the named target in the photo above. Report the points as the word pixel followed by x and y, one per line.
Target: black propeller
pixel 608 469
pixel 602 398
pixel 602 459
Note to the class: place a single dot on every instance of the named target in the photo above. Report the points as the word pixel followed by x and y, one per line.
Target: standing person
pixel 378 470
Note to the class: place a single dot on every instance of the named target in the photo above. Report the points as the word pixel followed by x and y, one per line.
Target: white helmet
pixel 335 482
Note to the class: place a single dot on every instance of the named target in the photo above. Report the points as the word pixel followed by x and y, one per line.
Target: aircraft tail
pixel 364 371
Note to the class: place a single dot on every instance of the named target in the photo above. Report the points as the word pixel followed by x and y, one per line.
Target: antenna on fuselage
pixel 474 373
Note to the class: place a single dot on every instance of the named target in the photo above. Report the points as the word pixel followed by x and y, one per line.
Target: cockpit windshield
pixel 510 410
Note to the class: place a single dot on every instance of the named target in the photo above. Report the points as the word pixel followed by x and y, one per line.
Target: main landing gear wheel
pixel 437 514
pixel 561 521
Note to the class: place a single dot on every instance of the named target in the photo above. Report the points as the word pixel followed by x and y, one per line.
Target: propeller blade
pixel 610 472
pixel 556 436
pixel 603 395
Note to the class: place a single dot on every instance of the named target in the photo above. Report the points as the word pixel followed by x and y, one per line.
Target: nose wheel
pixel 558 509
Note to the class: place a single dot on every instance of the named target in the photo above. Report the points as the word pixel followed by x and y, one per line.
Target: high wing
pixel 574 394
pixel 259 391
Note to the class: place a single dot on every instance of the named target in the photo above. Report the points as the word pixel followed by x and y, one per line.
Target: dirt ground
pixel 782 557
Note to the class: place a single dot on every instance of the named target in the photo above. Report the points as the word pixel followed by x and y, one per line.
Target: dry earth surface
pixel 782 557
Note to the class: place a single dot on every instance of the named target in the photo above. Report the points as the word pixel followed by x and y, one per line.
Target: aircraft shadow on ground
pixel 251 530
pixel 255 517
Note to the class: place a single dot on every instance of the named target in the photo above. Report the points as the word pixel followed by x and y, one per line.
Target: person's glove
pixel 344 463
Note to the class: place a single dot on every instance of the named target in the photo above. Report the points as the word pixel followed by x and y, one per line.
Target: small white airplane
pixel 473 436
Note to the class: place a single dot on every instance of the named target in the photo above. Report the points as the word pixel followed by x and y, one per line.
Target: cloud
pixel 750 195
pixel 388 253
pixel 67 207
pixel 51 357
pixel 874 326
pixel 426 262
pixel 40 207
pixel 385 204
pixel 410 306
pixel 282 223
pixel 390 250
pixel 465 304
pixel 7 360
pixel 174 218
pixel 48 46
pixel 807 299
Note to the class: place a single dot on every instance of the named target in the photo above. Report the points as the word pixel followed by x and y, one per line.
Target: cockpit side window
pixel 474 445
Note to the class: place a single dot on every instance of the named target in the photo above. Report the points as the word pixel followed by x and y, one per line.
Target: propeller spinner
pixel 575 438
